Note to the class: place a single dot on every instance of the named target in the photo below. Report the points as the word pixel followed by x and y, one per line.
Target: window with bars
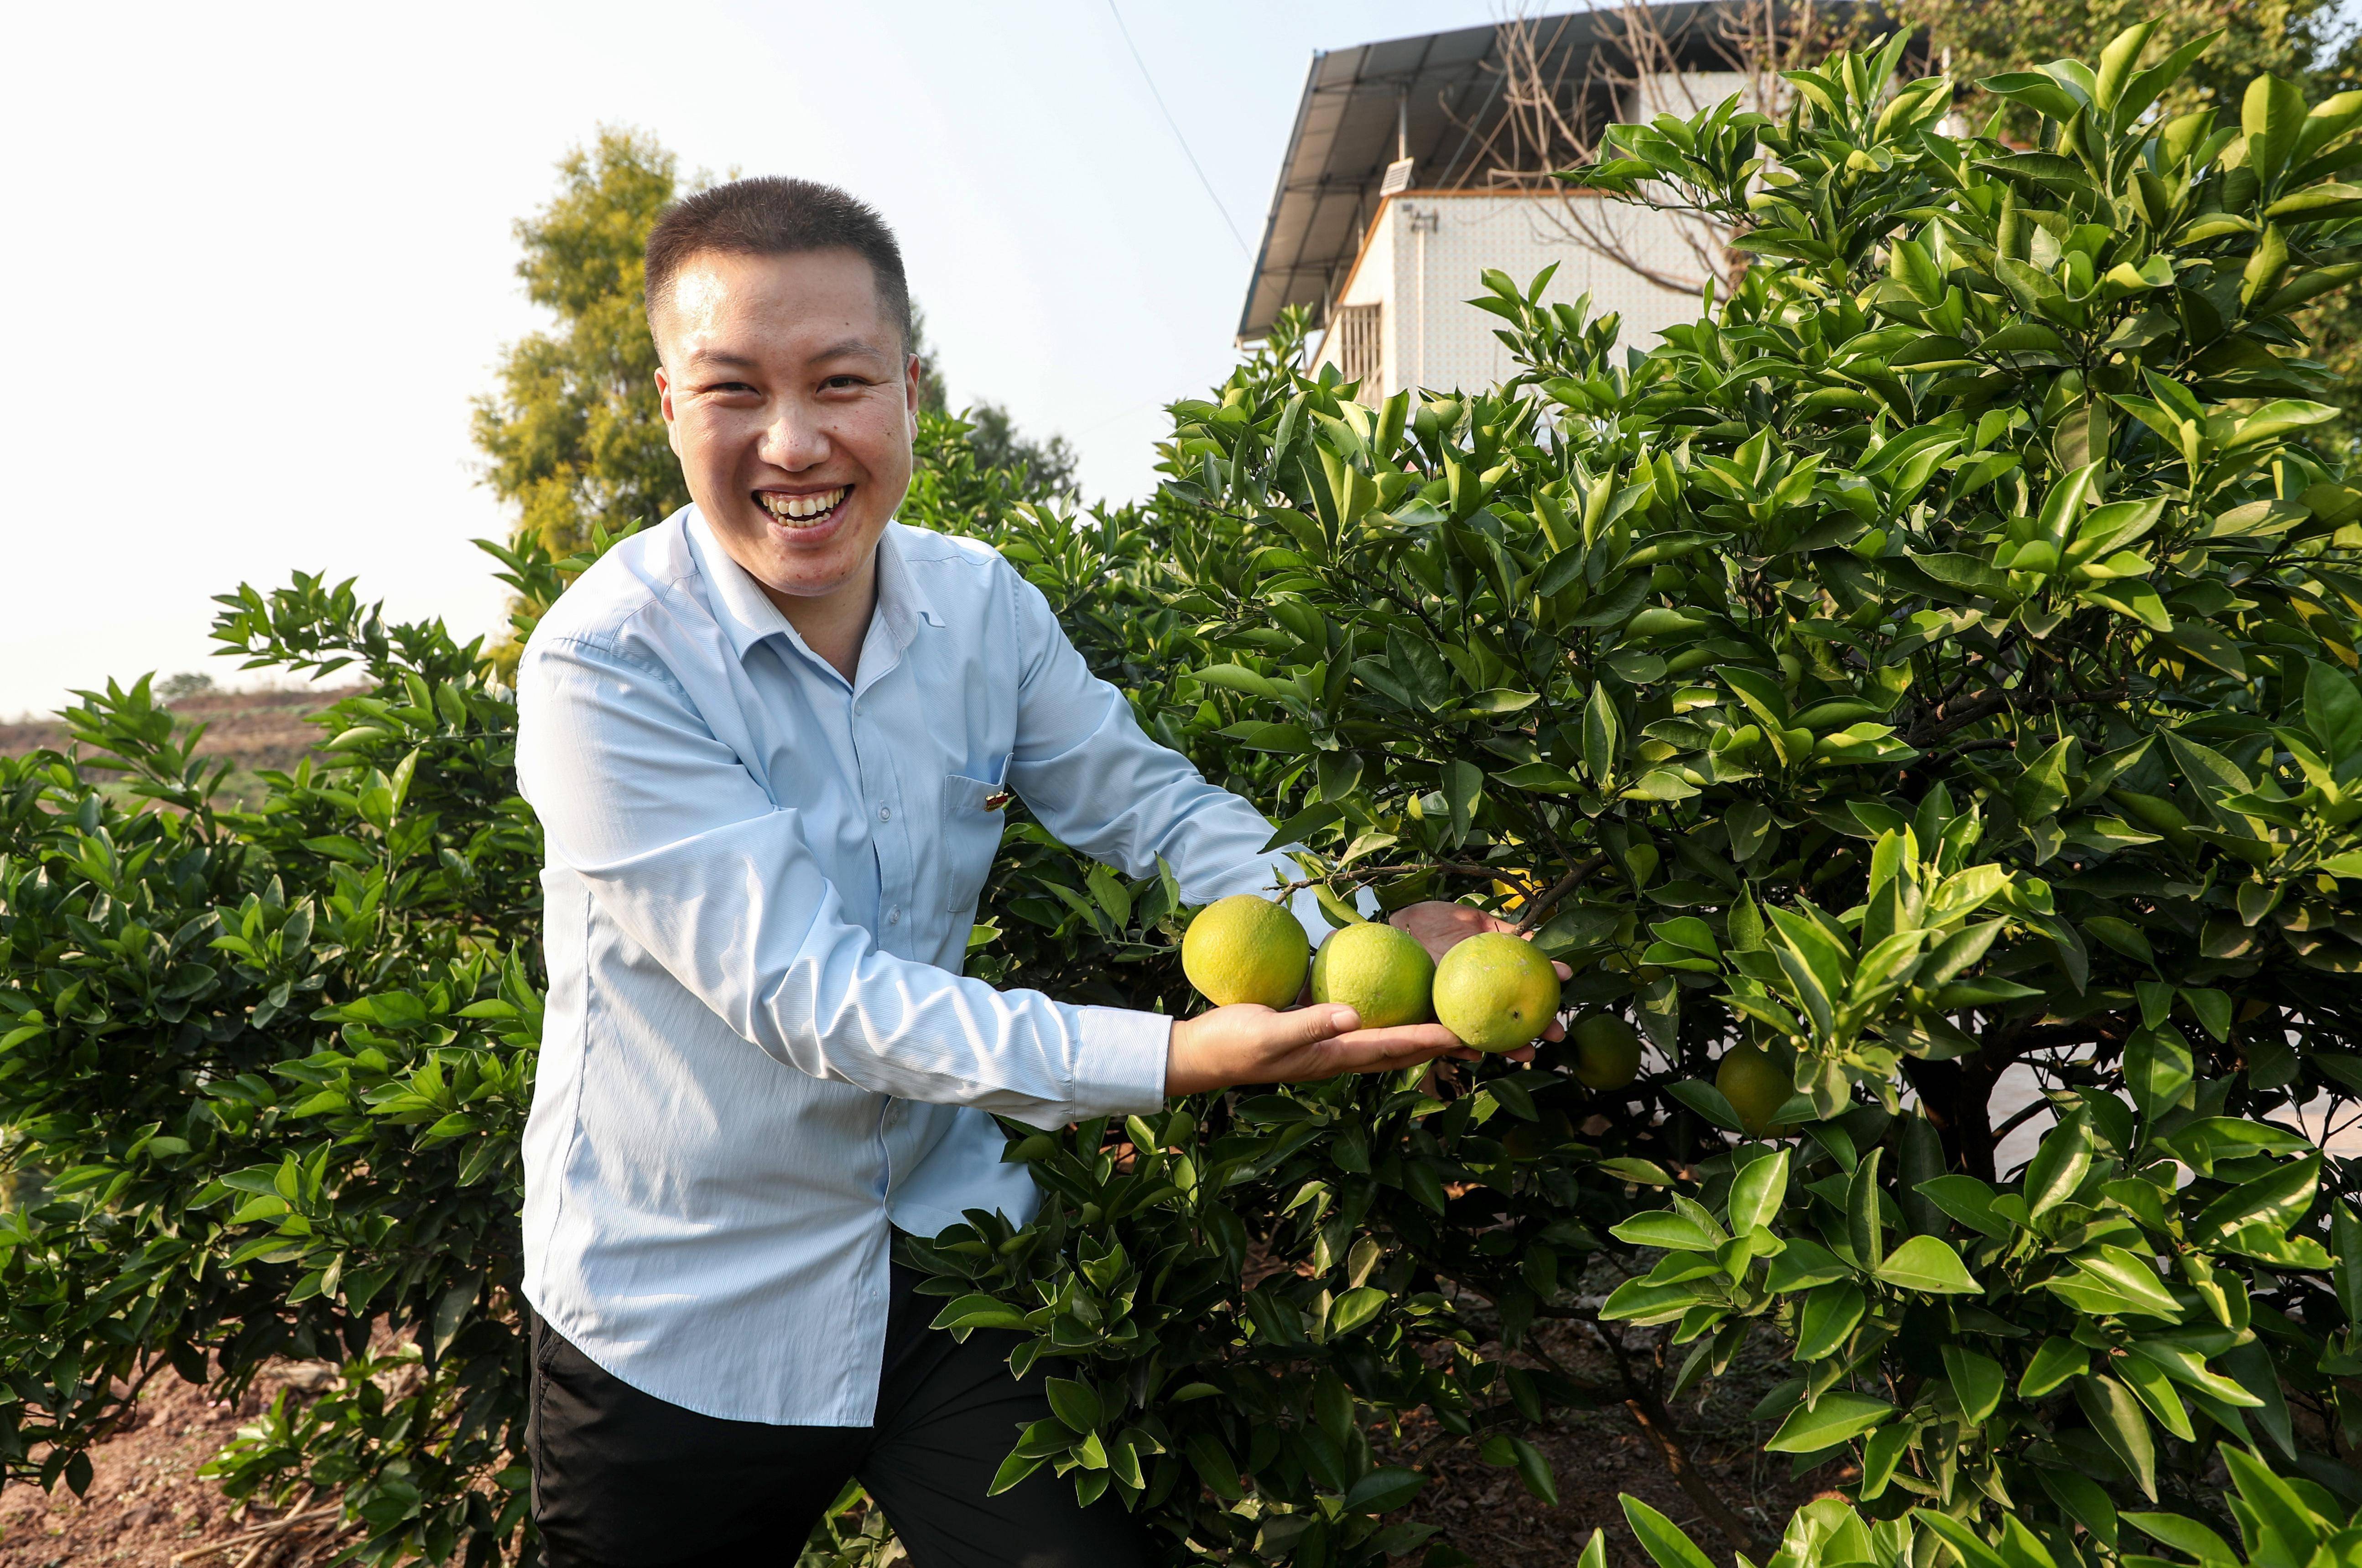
pixel 1358 350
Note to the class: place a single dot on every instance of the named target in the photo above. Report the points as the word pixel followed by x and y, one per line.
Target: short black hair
pixel 773 216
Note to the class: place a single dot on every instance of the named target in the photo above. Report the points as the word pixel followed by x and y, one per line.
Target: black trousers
pixel 622 1479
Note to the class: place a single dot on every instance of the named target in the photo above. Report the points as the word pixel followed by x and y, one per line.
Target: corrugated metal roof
pixel 1448 87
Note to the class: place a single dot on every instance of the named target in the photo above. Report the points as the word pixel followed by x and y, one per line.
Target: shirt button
pixel 884 814
pixel 894 915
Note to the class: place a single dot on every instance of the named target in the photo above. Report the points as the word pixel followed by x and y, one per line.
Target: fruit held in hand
pixel 1246 949
pixel 1754 1084
pixel 1607 1051
pixel 1381 973
pixel 1496 992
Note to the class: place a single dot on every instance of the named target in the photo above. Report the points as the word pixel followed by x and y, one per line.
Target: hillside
pixel 256 732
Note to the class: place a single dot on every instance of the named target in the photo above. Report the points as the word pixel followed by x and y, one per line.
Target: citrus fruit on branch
pixel 1246 949
pixel 1495 991
pixel 1607 1051
pixel 1755 1086
pixel 1381 973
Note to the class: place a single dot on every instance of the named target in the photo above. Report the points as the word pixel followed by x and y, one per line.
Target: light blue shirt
pixel 759 1051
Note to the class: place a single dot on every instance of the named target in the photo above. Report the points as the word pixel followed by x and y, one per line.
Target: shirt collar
pixel 747 615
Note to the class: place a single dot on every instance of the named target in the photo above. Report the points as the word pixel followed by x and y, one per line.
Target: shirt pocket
pixel 972 825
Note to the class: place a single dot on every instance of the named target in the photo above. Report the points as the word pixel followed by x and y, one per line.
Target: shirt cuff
pixel 1120 1070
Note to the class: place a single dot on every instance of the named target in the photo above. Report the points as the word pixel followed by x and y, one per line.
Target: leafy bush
pixel 1935 662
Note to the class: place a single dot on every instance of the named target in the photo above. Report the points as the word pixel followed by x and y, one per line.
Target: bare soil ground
pixel 147 1506
pixel 1597 1455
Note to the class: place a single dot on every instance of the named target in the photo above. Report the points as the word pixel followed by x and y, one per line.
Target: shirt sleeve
pixel 1086 768
pixel 688 853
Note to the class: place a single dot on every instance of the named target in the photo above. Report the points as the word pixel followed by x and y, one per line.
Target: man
pixel 768 740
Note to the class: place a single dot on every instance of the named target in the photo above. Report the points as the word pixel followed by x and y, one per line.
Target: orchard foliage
pixel 1939 659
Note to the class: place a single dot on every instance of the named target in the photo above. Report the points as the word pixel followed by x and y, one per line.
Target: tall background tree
pixel 573 436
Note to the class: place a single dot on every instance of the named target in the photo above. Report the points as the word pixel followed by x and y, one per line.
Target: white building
pixel 1392 201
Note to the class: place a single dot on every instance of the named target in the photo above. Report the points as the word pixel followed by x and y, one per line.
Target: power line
pixel 1176 127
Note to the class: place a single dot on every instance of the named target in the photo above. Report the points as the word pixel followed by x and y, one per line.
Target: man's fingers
pixel 1375 1050
pixel 1564 972
pixel 1310 1025
pixel 1405 1036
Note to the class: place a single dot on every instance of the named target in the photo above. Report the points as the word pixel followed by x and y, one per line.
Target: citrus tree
pixel 1938 662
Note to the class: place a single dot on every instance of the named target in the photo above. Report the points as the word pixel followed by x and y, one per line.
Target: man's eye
pixel 730 387
pixel 840 382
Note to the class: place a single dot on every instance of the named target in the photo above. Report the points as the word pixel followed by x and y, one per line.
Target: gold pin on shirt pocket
pixel 972 828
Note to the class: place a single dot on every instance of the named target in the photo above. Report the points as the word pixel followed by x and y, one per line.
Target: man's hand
pixel 1441 927
pixel 1249 1043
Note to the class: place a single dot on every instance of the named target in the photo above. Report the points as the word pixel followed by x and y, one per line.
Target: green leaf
pixel 2276 1503
pixel 2053 1364
pixel 2185 1535
pixel 2084 1499
pixel 1463 787
pixel 1214 1466
pixel 1601 730
pixel 1831 1313
pixel 1639 1301
pixel 1073 1402
pixel 2116 1416
pixel 1661 1538
pixel 2131 597
pixel 1663 1228
pixel 1971 1547
pixel 2159 1068
pixel 1757 1193
pixel 1534 1471
pixel 2277 1198
pixel 1967 1200
pixel 1836 1416
pixel 2332 712
pixel 2151 1386
pixel 1238 678
pixel 1804 1264
pixel 1928 1263
pixel 978 1311
pixel 1383 1491
pixel 2058 1167
pixel 1976 1381
pixel 1707 1101
pixel 1865 1217
pixel 1356 1307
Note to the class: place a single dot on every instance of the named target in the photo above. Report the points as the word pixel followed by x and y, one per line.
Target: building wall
pixel 1450 345
pixel 1688 92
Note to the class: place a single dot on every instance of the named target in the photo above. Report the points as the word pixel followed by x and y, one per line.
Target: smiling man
pixel 767 740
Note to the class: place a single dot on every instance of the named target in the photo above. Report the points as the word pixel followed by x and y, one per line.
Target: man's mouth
pixel 803 510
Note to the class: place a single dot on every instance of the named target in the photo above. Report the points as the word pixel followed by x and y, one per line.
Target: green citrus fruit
pixel 1754 1084
pixel 1246 949
pixel 1495 991
pixel 1607 1051
pixel 1381 973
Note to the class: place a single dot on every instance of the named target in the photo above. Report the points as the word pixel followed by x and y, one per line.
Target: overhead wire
pixel 1175 126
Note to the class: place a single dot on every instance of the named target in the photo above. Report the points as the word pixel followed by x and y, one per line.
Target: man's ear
pixel 664 401
pixel 914 381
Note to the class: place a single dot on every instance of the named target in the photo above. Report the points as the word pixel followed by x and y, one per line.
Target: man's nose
pixel 796 439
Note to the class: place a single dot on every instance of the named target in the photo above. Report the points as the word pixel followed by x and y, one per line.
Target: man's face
pixel 792 403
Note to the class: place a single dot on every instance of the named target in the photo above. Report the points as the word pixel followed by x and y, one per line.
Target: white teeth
pixel 797 508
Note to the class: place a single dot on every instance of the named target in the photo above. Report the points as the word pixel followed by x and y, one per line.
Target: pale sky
pixel 263 255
